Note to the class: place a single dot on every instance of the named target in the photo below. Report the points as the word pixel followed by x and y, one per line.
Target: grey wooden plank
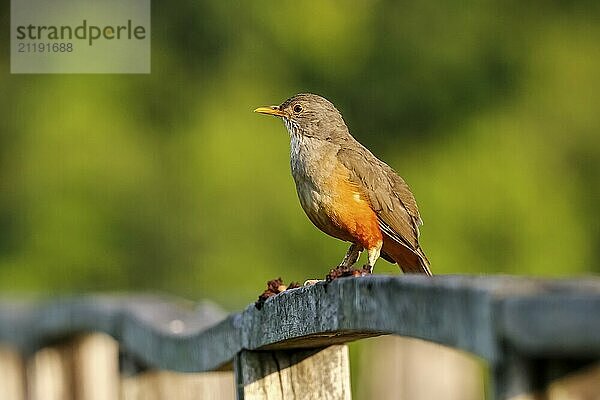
pixel 441 309
pixel 473 313
pixel 553 324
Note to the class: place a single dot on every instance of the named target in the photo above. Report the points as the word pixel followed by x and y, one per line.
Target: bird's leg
pixel 345 267
pixel 351 255
pixel 373 255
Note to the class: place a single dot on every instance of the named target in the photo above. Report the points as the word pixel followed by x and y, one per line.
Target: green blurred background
pixel 169 182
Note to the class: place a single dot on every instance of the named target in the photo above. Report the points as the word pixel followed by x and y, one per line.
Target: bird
pixel 346 191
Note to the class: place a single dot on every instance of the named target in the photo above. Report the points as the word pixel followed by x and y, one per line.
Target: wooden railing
pixel 529 331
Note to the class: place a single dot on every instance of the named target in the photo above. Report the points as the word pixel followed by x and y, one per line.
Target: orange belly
pixel 353 214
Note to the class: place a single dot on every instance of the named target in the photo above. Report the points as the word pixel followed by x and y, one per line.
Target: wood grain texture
pixel 322 374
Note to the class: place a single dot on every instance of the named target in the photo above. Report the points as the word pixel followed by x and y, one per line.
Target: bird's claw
pixel 310 282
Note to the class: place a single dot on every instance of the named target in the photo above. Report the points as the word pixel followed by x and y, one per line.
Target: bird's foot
pixel 367 269
pixel 343 271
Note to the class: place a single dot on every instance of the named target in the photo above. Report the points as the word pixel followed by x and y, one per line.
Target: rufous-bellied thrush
pixel 346 191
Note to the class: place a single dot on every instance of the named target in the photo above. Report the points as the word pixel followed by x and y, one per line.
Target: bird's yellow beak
pixel 273 110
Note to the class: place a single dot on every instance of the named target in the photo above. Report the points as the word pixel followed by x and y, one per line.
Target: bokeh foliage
pixel 168 181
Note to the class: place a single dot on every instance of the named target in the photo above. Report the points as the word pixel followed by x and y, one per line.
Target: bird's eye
pixel 297 108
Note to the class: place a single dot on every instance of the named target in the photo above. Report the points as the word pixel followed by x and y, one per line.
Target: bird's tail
pixel 411 261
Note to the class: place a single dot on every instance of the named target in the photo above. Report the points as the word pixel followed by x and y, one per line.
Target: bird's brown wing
pixel 394 204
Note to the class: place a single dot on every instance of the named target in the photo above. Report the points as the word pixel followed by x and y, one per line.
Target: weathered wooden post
pixel 83 368
pixel 322 373
pixel 12 373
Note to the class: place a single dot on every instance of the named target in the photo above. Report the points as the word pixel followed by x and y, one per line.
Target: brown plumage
pixel 345 190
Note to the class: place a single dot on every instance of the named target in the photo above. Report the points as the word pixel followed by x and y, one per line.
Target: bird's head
pixel 309 115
